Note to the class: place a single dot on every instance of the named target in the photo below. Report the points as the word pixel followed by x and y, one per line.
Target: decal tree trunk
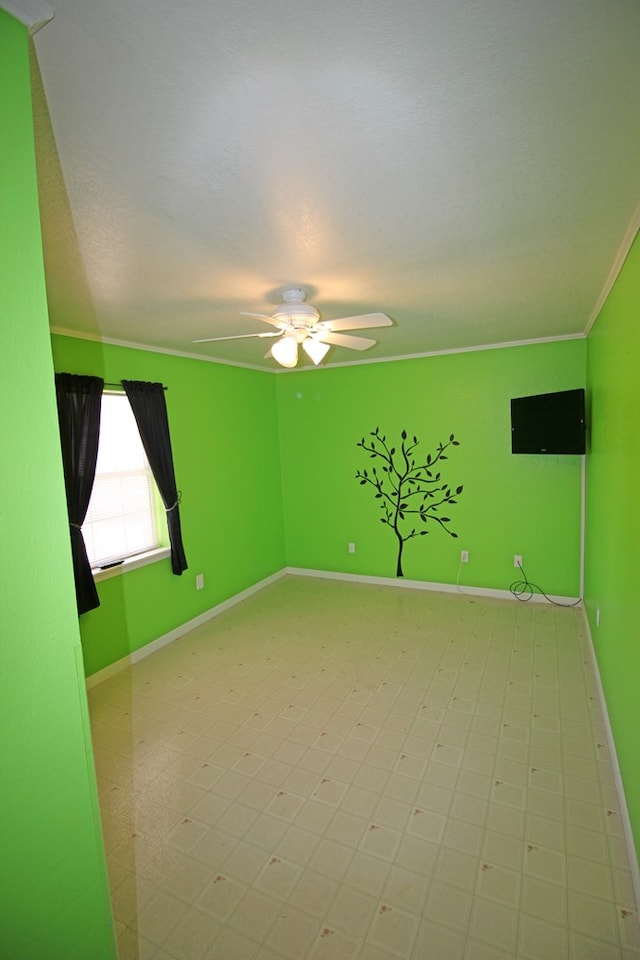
pixel 407 490
pixel 399 572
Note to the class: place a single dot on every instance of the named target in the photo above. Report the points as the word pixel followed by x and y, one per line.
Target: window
pixel 122 517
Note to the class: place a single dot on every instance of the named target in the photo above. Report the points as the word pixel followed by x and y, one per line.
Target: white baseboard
pixel 624 810
pixel 95 678
pixel 424 585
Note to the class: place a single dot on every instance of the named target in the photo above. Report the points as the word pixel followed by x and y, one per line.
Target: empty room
pixel 319 473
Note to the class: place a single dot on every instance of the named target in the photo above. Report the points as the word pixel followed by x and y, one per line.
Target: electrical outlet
pixel 517 560
pixel 200 581
pixel 352 548
pixel 464 556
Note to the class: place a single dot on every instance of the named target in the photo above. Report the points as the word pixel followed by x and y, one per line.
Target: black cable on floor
pixel 524 589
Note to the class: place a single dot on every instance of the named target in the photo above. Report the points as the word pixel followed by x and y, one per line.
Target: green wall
pixel 224 437
pixel 510 504
pixel 613 516
pixel 54 899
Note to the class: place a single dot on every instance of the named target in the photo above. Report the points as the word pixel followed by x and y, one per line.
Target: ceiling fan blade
pixel 263 316
pixel 343 340
pixel 363 322
pixel 239 336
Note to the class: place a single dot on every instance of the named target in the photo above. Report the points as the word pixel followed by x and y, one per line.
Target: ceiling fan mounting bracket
pixel 294 295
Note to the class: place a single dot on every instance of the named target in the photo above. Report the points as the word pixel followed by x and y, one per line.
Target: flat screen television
pixel 548 423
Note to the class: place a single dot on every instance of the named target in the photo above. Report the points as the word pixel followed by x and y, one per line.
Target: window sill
pixel 131 563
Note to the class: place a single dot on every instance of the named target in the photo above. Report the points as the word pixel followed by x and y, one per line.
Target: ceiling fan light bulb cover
pixel 285 351
pixel 315 350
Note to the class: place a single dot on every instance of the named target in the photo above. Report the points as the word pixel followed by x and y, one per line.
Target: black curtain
pixel 79 400
pixel 150 410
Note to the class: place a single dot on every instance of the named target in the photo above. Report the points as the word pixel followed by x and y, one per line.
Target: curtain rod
pixel 118 385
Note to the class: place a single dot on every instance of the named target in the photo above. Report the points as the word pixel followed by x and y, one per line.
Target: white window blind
pixel 121 519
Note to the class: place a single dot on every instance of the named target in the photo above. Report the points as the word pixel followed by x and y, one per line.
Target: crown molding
pixel 131 345
pixel 97 338
pixel 33 13
pixel 507 344
pixel 616 267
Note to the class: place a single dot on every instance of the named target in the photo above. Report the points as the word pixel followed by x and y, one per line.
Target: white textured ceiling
pixel 469 167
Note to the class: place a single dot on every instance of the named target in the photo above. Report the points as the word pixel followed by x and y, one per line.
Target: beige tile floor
pixel 336 771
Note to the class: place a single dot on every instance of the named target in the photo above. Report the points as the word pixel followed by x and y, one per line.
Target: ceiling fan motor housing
pixel 295 312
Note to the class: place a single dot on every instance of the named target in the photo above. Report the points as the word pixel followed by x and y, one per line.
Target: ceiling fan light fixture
pixel 298 323
pixel 285 351
pixel 315 350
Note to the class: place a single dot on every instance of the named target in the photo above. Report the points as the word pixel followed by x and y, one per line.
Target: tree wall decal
pixel 407 490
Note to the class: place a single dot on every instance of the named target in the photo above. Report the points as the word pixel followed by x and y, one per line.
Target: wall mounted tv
pixel 548 423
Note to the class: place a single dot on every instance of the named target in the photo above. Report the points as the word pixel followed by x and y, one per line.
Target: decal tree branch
pixel 409 491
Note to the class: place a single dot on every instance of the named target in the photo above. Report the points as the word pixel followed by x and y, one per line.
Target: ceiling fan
pixel 298 323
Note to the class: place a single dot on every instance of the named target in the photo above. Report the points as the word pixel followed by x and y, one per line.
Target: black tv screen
pixel 548 423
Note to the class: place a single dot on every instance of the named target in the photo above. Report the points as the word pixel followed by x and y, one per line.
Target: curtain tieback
pixel 78 526
pixel 174 505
